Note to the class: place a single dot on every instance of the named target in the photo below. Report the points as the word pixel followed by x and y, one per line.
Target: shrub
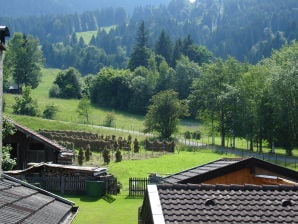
pixel 136 146
pixel 54 91
pixel 196 135
pixel 187 135
pixel 88 153
pixel 25 105
pixel 118 156
pixel 106 156
pixel 50 111
pixel 109 120
pixel 7 162
pixel 81 157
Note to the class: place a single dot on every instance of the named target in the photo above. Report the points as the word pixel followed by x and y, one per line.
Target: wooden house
pixel 235 171
pixel 29 146
pixel 246 190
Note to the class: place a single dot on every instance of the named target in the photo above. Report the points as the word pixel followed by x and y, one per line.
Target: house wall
pixel 244 176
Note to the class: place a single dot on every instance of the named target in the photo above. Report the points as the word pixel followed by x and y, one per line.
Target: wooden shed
pixel 29 146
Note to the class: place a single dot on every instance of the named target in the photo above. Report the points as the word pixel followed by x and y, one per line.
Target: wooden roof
pixel 21 202
pixel 95 171
pixel 224 166
pixel 34 135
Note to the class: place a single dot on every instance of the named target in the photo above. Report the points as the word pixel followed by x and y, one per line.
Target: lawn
pixel 68 108
pixel 113 209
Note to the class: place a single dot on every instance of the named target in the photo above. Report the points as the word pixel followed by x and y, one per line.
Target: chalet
pixel 21 202
pixel 235 171
pixel 29 146
pixel 246 190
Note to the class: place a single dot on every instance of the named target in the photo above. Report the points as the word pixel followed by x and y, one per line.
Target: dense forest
pixel 15 8
pixel 247 30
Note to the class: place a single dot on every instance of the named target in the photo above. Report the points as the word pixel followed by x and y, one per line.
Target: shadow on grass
pixel 109 198
pixel 90 198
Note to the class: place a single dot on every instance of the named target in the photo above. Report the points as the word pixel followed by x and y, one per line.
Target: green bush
pixel 50 111
pixel 25 105
pixel 54 91
pixel 187 135
pixel 80 157
pixel 106 156
pixel 118 156
pixel 7 162
pixel 196 135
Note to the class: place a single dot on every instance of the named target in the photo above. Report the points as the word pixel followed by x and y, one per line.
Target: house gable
pixel 243 169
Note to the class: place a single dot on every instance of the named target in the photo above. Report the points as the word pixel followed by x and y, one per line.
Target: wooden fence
pixel 138 186
pixel 72 184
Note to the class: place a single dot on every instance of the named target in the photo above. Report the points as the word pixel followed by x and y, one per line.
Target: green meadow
pixel 122 208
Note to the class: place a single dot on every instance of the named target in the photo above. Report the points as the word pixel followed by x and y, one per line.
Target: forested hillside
pixel 15 8
pixel 244 29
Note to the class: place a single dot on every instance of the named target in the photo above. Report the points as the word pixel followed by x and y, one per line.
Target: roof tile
pixel 228 203
pixel 23 203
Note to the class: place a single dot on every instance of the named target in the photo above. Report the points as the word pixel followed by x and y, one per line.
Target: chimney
pixel 4 32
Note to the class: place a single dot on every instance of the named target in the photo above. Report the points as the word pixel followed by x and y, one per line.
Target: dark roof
pixel 36 136
pixel 95 171
pixel 23 203
pixel 184 203
pixel 227 165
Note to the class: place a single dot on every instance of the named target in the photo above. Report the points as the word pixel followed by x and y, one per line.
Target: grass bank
pixel 121 208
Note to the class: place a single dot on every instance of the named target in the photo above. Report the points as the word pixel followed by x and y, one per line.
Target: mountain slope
pixel 15 8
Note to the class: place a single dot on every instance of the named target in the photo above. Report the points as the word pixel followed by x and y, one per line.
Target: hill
pixel 15 8
pixel 247 30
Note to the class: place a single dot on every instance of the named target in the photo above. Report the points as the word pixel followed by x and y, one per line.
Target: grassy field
pixel 88 34
pixel 112 209
pixel 67 108
pixel 109 210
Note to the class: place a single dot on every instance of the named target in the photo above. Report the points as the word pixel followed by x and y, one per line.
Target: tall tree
pixel 186 72
pixel 141 52
pixel 69 84
pixel 284 91
pixel 24 60
pixel 163 46
pixel 84 109
pixel 164 113
pixel 214 94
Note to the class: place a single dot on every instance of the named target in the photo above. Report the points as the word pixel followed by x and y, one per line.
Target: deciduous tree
pixel 164 113
pixel 24 60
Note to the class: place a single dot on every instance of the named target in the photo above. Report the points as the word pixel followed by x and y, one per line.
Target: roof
pixel 21 202
pixel 227 165
pixel 36 136
pixel 86 169
pixel 187 203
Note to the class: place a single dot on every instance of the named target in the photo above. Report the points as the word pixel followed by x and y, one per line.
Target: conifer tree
pixel 141 52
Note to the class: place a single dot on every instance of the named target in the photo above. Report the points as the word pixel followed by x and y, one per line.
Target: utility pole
pixel 4 32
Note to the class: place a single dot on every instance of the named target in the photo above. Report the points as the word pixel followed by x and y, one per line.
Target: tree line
pixel 247 30
pixel 233 98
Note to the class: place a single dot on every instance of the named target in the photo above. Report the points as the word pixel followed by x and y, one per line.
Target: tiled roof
pixel 226 165
pixel 228 203
pixel 24 203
